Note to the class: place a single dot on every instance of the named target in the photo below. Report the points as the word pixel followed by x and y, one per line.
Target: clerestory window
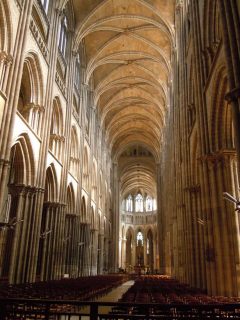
pixel 62 43
pixel 129 204
pixel 45 5
pixel 149 203
pixel 139 203
pixel 77 71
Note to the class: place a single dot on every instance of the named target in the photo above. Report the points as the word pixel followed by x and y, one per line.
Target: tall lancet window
pixel 62 43
pixel 149 203
pixel 77 79
pixel 139 203
pixel 129 204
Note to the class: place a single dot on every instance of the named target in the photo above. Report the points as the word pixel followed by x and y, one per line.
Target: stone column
pixel 86 251
pixel 37 217
pixel 5 63
pixel 24 243
pixel 160 224
pixel 193 191
pixel 95 252
pixel 105 254
pixel 17 233
pixel 81 249
pixel 145 250
pixel 9 84
pixel 133 252
pixel 116 218
pixel 124 240
pixel 59 245
pixel 23 256
pixel 231 41
pixel 220 252
pixel 155 253
pixel 100 257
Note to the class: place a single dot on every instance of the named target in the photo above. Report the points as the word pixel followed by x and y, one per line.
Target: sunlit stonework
pixel 119 135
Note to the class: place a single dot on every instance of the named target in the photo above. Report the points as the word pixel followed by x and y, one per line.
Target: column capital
pixel 6 57
pixel 30 105
pixel 5 162
pixel 53 204
pixel 219 156
pixel 16 189
pixel 179 6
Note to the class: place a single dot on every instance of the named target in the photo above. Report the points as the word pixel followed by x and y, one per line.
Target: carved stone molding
pixel 17 189
pixel 179 6
pixel 219 156
pixel 6 58
pixel 39 39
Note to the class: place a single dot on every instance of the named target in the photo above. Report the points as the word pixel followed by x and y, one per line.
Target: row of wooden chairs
pixel 163 290
pixel 83 288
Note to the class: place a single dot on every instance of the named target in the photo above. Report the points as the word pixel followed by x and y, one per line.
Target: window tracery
pixel 139 203
pixel 149 203
pixel 129 204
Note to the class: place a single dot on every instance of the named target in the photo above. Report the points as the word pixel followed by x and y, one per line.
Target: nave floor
pixel 112 296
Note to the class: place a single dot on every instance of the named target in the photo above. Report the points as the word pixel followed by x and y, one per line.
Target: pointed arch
pixel 149 203
pixel 129 203
pixel 70 199
pixel 74 152
pixel 33 67
pixel 57 117
pixel 30 101
pixel 22 169
pixel 212 32
pixel 139 202
pixel 56 132
pixel 51 185
pixel 5 28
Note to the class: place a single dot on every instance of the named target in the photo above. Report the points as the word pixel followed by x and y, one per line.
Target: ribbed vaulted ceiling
pixel 128 49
